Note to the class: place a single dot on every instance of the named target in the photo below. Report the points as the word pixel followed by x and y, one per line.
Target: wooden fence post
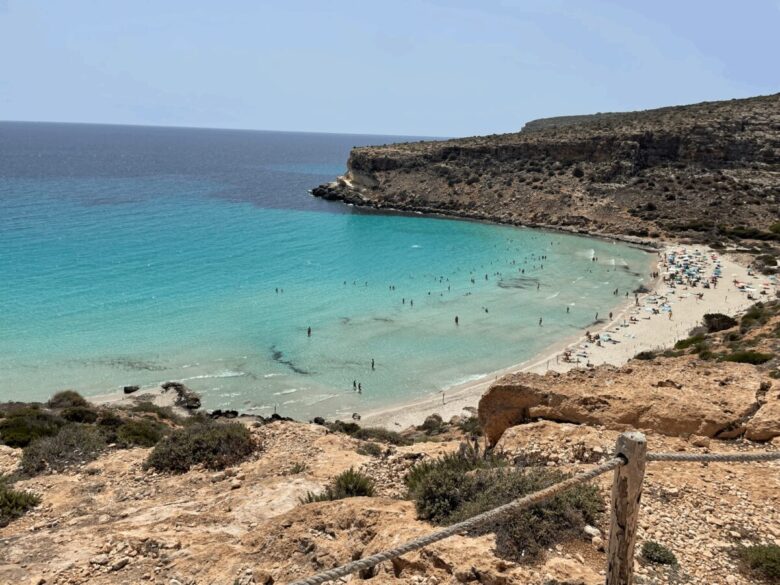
pixel 626 493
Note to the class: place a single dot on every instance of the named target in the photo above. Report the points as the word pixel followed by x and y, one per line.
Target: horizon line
pixel 420 136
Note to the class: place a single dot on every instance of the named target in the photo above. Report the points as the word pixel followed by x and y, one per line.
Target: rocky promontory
pixel 708 171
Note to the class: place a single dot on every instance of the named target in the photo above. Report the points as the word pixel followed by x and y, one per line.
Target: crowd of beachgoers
pixel 682 273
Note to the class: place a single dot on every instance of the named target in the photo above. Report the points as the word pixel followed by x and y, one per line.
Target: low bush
pixel 458 486
pixel 14 503
pixel 754 316
pixel 645 355
pixel 435 484
pixel 369 448
pixel 348 428
pixel 66 399
pixel 654 552
pixel 470 426
pixel 748 356
pixel 715 322
pixel 162 412
pixel 213 445
pixel 80 414
pixel 349 484
pixel 382 435
pixel 763 559
pixel 74 444
pixel 688 342
pixel 22 426
pixel 140 433
pixel 431 425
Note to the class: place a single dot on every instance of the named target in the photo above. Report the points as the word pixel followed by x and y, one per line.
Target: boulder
pixel 671 397
pixel 765 424
pixel 131 389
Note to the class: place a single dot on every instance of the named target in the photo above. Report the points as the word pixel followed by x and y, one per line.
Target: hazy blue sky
pixel 436 67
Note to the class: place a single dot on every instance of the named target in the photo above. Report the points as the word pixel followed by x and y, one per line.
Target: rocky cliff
pixel 707 170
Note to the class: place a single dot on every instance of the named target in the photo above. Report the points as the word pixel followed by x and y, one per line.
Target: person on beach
pixel 610 315
pixel 354 385
pixel 360 388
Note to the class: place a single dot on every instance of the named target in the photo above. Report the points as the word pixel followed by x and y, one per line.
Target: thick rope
pixel 735 457
pixel 461 527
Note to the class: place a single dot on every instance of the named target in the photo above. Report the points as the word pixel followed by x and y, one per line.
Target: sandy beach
pixel 635 327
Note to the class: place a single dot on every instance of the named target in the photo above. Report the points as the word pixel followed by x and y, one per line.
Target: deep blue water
pixel 134 255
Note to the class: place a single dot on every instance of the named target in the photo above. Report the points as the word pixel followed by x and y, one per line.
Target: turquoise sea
pixel 133 255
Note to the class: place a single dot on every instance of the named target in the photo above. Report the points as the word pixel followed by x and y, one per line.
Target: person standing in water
pixel 308 332
pixel 354 385
pixel 456 320
pixel 540 321
pixel 360 388
pixel 372 364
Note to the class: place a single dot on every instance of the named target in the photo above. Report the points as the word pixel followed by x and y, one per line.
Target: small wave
pixel 552 296
pixel 468 379
pixel 224 374
pixel 416 246
pixel 283 392
pixel 272 375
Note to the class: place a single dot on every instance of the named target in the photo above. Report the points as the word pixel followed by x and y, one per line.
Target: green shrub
pixel 21 426
pixel 349 484
pixel 140 433
pixel 754 316
pixel 693 340
pixel 435 485
pixel 431 425
pixel 458 486
pixel 775 228
pixel 66 399
pixel 748 356
pixel 470 426
pixel 645 355
pixel 715 322
pixel 348 428
pixel 382 435
pixel 14 503
pixel 762 559
pixel 654 552
pixel 74 444
pixel 369 448
pixel 110 419
pixel 163 412
pixel 81 414
pixel 213 445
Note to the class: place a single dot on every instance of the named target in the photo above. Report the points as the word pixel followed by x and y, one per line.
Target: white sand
pixel 650 332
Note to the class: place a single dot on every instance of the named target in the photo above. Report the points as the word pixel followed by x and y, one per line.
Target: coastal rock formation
pixel 676 397
pixel 706 170
pixel 185 398
pixel 112 522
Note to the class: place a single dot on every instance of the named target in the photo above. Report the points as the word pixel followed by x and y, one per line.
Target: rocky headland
pixel 706 171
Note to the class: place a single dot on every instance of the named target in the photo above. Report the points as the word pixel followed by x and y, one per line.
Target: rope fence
pixel 628 463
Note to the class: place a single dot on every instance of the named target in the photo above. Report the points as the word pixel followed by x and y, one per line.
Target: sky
pixel 416 68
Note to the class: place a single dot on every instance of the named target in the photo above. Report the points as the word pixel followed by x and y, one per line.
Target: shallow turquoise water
pixel 137 278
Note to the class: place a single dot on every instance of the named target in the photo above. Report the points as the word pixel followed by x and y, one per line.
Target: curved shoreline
pixel 650 333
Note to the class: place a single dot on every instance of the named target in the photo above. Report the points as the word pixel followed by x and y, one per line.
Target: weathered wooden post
pixel 626 493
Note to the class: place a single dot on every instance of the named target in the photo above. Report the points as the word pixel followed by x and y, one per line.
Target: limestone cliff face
pixel 703 170
pixel 673 396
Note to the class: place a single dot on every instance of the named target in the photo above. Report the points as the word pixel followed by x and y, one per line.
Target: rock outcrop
pixel 674 396
pixel 707 170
